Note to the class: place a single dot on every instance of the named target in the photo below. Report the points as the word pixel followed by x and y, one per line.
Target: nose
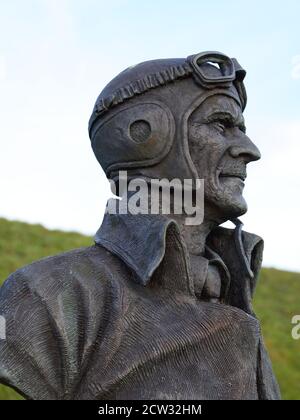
pixel 244 148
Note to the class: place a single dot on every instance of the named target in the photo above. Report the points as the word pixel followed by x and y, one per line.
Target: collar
pixel 141 241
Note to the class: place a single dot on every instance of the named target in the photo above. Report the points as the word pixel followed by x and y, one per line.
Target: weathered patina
pixel 156 308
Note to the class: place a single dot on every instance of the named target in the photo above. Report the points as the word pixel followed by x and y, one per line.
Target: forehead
pixel 217 104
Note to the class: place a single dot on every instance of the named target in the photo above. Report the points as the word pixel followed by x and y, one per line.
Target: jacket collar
pixel 141 241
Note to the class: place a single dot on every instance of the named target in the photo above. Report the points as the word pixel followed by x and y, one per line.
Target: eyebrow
pixel 225 116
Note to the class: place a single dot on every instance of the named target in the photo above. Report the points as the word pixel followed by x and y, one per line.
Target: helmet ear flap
pixel 136 136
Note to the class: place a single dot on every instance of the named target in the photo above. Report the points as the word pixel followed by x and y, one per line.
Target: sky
pixel 57 55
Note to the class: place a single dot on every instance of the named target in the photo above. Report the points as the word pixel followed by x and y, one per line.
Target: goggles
pixel 228 67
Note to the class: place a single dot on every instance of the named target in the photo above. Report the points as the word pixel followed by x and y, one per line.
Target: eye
pixel 219 126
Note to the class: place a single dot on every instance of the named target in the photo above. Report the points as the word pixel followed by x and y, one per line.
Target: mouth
pixel 239 175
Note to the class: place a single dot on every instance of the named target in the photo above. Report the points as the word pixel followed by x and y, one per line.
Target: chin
pixel 227 207
pixel 233 207
pixel 229 198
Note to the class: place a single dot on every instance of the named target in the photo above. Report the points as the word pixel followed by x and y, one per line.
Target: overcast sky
pixel 57 55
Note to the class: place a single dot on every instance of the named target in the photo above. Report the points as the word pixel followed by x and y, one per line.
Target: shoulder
pixel 82 267
pixel 54 310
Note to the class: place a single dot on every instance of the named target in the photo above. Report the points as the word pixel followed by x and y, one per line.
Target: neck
pixel 195 236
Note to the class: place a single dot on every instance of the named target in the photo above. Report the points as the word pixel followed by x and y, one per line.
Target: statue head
pixel 178 118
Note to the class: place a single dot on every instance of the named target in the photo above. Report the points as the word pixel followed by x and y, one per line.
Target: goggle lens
pixel 224 64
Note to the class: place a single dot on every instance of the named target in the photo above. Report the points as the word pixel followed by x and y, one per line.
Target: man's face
pixel 220 151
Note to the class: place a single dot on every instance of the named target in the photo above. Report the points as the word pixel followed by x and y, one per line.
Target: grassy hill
pixel 276 301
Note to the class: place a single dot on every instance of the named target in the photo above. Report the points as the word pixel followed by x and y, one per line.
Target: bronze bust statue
pixel 157 308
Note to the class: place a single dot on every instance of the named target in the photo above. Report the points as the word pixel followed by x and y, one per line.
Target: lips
pixel 240 175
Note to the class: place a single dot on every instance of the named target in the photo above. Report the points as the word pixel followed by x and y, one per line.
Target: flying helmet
pixel 140 120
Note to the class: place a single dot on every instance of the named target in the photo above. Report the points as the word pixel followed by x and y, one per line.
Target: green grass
pixel 276 301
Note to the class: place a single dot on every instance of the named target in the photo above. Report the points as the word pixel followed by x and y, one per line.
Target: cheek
pixel 207 146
